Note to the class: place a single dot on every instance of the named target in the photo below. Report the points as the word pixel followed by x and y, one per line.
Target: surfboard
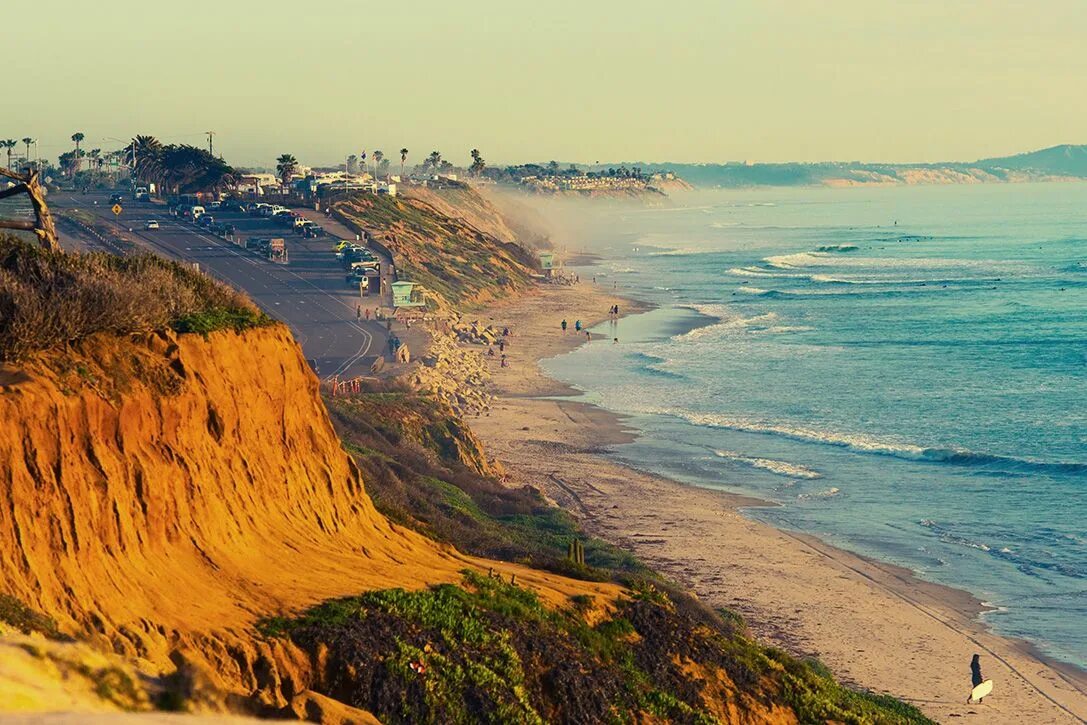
pixel 981 690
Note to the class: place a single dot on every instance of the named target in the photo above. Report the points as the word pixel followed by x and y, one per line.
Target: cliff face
pixel 160 493
pixel 468 205
pixel 459 263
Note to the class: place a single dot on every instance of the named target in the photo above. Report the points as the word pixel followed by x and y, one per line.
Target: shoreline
pixel 795 590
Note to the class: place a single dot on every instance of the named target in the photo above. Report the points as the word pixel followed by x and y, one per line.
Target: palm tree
pixel 286 166
pixel 435 160
pixel 403 158
pixel 78 138
pixel 27 141
pixel 145 154
pixel 9 144
pixel 478 164
pixel 378 156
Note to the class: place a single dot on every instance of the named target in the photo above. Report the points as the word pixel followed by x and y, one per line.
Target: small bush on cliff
pixel 18 615
pixel 49 299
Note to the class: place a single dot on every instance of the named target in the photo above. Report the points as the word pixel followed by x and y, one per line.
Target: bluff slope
pixel 163 493
pixel 441 240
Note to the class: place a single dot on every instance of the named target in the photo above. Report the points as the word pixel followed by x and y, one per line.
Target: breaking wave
pixel 869 444
pixel 782 468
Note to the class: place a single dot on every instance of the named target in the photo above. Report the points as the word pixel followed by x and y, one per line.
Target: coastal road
pixel 309 293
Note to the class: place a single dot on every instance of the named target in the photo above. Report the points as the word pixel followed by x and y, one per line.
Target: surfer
pixel 982 687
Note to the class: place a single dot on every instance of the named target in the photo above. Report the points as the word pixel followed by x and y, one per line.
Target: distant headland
pixel 1057 163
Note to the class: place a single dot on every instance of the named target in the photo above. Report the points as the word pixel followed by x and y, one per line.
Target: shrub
pixel 26 620
pixel 49 299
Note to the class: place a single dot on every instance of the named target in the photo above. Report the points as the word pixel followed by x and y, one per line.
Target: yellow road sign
pixel 117 209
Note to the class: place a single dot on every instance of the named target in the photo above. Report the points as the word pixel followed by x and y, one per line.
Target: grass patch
pixel 50 299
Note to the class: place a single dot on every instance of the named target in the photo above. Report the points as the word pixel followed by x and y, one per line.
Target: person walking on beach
pixel 588 336
pixel 976 677
pixel 577 326
pixel 367 313
pixel 564 327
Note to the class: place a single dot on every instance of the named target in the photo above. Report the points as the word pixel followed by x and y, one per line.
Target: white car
pixel 153 224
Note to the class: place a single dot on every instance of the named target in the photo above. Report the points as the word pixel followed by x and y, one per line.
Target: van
pixel 196 212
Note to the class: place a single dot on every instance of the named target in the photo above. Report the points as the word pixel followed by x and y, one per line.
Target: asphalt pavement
pixel 308 293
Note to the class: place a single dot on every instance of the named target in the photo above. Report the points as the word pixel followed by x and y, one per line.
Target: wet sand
pixel 876 626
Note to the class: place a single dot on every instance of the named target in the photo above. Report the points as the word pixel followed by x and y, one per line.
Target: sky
pixel 573 80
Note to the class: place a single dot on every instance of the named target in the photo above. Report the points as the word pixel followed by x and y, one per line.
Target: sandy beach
pixel 875 625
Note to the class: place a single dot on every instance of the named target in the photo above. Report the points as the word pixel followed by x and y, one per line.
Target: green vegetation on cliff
pixel 489 650
pixel 48 299
pixel 424 468
pixel 450 257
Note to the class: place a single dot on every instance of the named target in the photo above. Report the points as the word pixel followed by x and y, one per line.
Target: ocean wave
pixel 964 268
pixel 782 468
pixel 727 322
pixel 651 365
pixel 781 329
pixel 1024 562
pixel 680 252
pixel 760 272
pixel 838 248
pixel 862 443
pixel 870 277
pixel 830 492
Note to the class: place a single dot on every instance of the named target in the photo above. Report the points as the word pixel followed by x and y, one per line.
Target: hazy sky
pixel 584 80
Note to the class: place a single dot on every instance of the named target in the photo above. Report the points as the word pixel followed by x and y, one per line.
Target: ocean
pixel 903 370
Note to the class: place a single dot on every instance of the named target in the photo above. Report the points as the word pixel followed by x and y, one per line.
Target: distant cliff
pixel 1059 163
pixel 453 242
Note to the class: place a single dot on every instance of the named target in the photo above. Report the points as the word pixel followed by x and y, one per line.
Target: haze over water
pixel 914 392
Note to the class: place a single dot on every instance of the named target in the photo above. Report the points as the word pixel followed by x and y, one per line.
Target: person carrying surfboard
pixel 981 686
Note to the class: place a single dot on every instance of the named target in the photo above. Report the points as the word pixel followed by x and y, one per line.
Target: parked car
pixel 205 220
pixel 313 231
pixel 153 224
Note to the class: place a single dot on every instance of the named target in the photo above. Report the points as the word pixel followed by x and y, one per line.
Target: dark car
pixel 115 198
pixel 205 220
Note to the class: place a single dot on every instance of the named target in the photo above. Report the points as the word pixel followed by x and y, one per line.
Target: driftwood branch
pixel 43 225
pixel 17 189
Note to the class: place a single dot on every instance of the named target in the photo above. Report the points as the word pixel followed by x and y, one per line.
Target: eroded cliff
pixel 162 493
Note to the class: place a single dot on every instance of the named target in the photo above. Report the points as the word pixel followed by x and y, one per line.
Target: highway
pixel 308 293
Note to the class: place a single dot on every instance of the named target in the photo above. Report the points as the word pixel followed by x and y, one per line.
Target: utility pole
pixel 211 148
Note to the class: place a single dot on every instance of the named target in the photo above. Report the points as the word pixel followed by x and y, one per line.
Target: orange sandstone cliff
pixel 161 494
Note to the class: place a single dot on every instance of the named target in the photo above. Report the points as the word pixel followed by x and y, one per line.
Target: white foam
pixel 782 468
pixel 729 322
pixel 833 491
